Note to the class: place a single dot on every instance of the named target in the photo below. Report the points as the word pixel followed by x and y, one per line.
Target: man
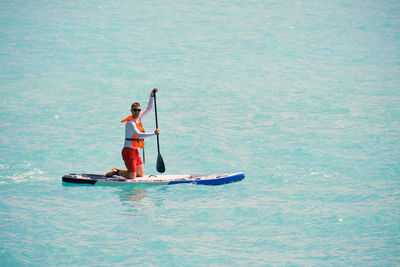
pixel 134 139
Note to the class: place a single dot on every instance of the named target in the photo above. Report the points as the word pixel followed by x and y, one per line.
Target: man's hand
pixel 153 91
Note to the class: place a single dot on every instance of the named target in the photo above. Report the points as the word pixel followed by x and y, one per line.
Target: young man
pixel 134 139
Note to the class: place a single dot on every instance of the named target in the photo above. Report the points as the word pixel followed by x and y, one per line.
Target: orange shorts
pixel 131 158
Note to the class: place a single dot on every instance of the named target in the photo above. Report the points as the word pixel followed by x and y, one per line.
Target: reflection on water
pixel 137 198
pixel 133 194
pixel 132 198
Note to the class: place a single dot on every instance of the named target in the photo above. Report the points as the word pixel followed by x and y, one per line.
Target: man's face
pixel 136 111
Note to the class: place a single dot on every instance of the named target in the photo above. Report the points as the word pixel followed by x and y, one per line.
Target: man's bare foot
pixel 111 173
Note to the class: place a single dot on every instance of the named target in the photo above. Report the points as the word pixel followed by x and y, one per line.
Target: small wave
pixel 4 166
pixel 34 174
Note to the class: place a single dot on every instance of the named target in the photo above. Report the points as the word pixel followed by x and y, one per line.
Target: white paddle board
pixel 205 179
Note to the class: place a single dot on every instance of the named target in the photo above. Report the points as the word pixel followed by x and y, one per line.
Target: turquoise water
pixel 302 96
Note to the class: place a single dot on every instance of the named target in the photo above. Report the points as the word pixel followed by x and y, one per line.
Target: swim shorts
pixel 131 158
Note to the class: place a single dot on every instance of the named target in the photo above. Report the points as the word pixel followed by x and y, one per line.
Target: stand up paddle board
pixel 205 179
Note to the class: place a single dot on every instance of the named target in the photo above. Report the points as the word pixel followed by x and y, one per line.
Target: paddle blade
pixel 160 164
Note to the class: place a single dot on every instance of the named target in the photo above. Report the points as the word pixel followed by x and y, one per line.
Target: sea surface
pixel 302 96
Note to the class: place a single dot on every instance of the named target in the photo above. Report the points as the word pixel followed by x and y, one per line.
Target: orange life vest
pixel 136 141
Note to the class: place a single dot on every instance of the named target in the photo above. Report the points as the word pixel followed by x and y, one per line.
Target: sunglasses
pixel 136 109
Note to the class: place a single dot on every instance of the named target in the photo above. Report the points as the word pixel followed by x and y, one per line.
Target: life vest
pixel 136 141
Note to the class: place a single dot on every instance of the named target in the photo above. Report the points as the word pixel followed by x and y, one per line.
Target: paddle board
pixel 205 179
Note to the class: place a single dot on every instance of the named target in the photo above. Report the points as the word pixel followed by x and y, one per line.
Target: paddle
pixel 160 161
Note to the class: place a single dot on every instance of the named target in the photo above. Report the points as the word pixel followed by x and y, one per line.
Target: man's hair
pixel 136 104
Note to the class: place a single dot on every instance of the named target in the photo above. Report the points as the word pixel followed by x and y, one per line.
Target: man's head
pixel 135 109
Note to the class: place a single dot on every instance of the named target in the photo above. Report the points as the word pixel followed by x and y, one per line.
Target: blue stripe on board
pixel 217 181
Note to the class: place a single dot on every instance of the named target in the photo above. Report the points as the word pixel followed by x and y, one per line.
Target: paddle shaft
pixel 160 162
pixel 155 109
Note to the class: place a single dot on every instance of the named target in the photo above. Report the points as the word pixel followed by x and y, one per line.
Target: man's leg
pixel 139 170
